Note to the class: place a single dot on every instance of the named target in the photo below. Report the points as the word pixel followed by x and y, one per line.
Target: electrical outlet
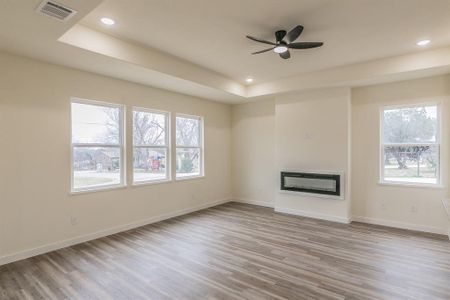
pixel 413 209
pixel 73 221
pixel 383 206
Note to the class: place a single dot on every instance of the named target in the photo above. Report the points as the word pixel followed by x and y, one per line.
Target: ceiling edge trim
pixel 402 67
pixel 88 39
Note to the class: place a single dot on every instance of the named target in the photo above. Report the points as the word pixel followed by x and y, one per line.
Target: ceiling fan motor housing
pixel 279 35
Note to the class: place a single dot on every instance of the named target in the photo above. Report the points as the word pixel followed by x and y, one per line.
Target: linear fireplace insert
pixel 314 183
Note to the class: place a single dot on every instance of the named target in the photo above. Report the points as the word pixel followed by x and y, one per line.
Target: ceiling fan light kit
pixel 280 49
pixel 285 41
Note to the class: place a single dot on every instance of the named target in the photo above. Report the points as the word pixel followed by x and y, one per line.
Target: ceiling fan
pixel 285 41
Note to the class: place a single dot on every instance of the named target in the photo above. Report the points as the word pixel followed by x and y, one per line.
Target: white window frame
pixel 121 147
pixel 438 143
pixel 201 147
pixel 167 145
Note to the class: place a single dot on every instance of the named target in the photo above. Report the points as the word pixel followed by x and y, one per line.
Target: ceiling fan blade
pixel 279 35
pixel 262 51
pixel 294 33
pixel 305 45
pixel 261 41
pixel 285 55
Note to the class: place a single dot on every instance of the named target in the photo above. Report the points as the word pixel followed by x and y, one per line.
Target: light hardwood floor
pixel 238 251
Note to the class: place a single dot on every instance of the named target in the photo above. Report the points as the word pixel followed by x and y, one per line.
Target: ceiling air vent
pixel 56 10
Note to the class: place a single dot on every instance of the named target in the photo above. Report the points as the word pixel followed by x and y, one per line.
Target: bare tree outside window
pixel 150 145
pixel 410 144
pixel 189 156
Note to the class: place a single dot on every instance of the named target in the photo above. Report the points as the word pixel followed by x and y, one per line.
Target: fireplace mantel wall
pixel 299 131
pixel 312 132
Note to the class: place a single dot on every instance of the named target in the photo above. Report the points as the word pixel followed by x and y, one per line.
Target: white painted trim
pixel 327 172
pixel 105 232
pixel 98 188
pixel 189 177
pixel 314 215
pixel 401 225
pixel 411 184
pixel 150 182
pixel 254 202
pixel 314 195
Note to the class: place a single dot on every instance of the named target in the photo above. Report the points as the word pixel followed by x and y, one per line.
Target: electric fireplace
pixel 312 183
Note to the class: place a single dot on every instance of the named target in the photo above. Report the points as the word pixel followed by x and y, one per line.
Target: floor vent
pixel 56 10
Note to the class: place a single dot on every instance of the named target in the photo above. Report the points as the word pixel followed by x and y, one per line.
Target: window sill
pixel 97 189
pixel 412 185
pixel 150 182
pixel 190 177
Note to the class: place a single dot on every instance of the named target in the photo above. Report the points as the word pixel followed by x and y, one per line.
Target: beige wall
pixel 312 134
pixel 411 207
pixel 295 131
pixel 253 145
pixel 308 125
pixel 35 204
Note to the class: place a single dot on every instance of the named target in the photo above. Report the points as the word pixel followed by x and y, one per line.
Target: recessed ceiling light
pixel 107 21
pixel 423 42
pixel 249 80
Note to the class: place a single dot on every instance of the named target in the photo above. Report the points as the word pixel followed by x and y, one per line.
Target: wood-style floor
pixel 238 251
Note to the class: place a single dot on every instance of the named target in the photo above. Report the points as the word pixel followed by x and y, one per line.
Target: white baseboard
pixel 102 233
pixel 313 215
pixel 254 202
pixel 401 225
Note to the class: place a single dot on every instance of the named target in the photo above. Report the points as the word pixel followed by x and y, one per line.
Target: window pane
pixel 188 132
pixel 410 125
pixel 415 164
pixel 95 166
pixel 149 128
pixel 95 124
pixel 188 162
pixel 149 164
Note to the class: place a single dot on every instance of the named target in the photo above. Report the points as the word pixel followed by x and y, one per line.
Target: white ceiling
pixel 211 33
pixel 25 32
pixel 198 47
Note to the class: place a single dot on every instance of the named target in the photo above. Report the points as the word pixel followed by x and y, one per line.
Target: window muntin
pixel 97 145
pixel 189 146
pixel 151 151
pixel 410 145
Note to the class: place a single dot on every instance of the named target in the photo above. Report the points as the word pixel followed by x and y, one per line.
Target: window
pixel 97 145
pixel 151 152
pixel 189 142
pixel 410 145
